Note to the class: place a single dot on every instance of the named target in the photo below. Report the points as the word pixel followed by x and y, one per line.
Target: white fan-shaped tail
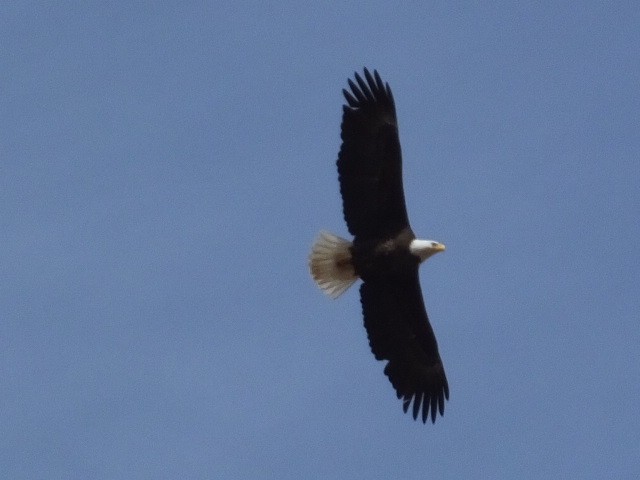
pixel 330 264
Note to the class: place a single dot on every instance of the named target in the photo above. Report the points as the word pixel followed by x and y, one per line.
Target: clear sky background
pixel 164 171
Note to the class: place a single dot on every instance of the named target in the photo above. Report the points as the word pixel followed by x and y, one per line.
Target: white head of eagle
pixel 423 249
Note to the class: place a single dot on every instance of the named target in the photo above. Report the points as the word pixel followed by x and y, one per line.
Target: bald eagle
pixel 385 254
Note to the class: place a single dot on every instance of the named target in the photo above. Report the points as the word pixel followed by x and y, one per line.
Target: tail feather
pixel 330 264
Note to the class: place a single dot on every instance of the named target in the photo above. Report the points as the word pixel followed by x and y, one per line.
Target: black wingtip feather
pixel 379 82
pixel 372 84
pixel 434 408
pixel 353 103
pixel 417 401
pixel 364 88
pixel 356 92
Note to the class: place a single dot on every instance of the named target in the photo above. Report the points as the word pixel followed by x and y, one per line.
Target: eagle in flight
pixel 385 253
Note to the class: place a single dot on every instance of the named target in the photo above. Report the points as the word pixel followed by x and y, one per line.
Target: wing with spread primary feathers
pixel 399 331
pixel 370 161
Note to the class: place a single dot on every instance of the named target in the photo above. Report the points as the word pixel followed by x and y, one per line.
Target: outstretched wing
pixel 370 162
pixel 399 331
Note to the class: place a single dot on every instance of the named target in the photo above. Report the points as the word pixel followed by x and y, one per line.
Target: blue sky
pixel 164 171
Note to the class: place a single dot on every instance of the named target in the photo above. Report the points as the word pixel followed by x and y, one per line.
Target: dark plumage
pixel 384 253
